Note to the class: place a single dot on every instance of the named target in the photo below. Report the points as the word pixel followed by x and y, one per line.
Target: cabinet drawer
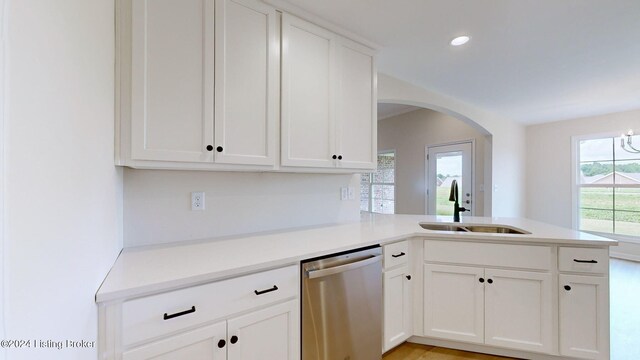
pixel 151 316
pixel 583 260
pixel 488 254
pixel 396 254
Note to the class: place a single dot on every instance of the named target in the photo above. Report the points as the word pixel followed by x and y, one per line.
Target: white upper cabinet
pixel 308 69
pixel 199 86
pixel 247 61
pixel 328 99
pixel 356 106
pixel 171 80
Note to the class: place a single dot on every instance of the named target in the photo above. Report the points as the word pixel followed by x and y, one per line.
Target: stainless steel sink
pixel 493 229
pixel 496 229
pixel 443 227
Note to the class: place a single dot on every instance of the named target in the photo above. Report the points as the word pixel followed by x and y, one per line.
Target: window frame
pixel 371 183
pixel 575 186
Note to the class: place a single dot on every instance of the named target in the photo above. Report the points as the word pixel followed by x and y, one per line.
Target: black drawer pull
pixel 490 281
pixel 567 287
pixel 234 339
pixel 398 255
pixel 408 277
pixel 586 261
pixel 192 310
pixel 481 280
pixel 274 288
pixel 221 344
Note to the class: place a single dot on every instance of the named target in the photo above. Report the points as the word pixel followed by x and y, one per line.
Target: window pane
pixel 364 204
pixel 383 206
pixel 596 220
pixel 386 165
pixel 385 192
pixel 627 172
pixel 628 199
pixel 443 205
pixel 364 178
pixel 596 198
pixel 628 223
pixel 597 173
pixel 596 149
pixel 627 153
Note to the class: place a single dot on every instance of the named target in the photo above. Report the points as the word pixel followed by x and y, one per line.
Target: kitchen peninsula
pixel 538 295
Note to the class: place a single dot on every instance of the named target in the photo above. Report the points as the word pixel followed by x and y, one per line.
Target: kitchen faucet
pixel 454 198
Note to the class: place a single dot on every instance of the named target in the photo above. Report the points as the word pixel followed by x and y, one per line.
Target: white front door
pixel 446 163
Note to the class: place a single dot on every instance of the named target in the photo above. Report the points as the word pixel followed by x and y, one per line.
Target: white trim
pixel 4 76
pixel 473 172
pixel 287 7
pixel 624 256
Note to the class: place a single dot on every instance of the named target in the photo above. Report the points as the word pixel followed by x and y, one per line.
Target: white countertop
pixel 146 270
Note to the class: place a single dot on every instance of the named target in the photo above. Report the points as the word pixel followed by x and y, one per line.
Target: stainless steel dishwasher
pixel 342 306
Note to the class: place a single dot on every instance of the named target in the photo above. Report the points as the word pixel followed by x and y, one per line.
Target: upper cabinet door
pixel 172 80
pixel 308 132
pixel 247 68
pixel 356 105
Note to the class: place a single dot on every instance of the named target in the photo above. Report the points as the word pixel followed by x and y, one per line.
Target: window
pixel 377 190
pixel 608 186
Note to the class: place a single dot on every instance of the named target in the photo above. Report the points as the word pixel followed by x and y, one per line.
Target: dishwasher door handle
pixel 342 268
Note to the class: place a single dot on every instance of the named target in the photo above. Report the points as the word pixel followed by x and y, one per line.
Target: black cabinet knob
pixel 490 281
pixel 481 280
pixel 334 157
pixel 408 277
pixel 219 149
pixel 210 147
pixel 339 157
pixel 567 287
pixel 221 344
pixel 234 339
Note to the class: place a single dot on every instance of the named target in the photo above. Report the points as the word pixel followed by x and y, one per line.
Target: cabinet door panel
pixel 518 310
pixel 172 80
pixel 271 333
pixel 356 106
pixel 454 303
pixel 246 84
pixel 583 317
pixel 201 344
pixel 397 307
pixel 308 133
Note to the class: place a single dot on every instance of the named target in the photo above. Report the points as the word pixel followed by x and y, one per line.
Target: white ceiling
pixel 530 60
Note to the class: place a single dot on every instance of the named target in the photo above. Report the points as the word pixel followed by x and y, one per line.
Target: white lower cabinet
pixel 454 303
pixel 517 312
pixel 397 307
pixel 271 333
pixel 505 308
pixel 203 344
pixel 584 318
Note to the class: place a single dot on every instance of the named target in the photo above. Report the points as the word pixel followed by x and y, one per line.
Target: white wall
pixel 3 141
pixel 408 134
pixel 508 141
pixel 157 204
pixel 63 193
pixel 549 163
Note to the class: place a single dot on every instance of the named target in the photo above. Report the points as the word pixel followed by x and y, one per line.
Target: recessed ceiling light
pixel 460 40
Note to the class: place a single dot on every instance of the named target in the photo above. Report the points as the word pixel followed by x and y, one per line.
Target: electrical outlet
pixel 344 193
pixel 197 201
pixel 351 194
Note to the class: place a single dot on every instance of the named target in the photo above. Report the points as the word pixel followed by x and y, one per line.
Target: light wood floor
pixel 408 351
pixel 625 323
